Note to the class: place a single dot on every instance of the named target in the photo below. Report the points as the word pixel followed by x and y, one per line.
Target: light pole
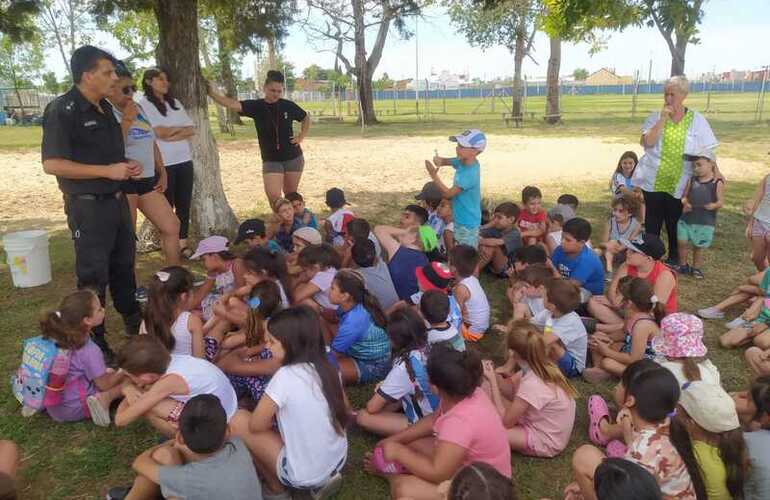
pixel 416 69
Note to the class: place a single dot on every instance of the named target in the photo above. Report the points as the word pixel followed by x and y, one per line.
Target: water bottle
pixel 57 378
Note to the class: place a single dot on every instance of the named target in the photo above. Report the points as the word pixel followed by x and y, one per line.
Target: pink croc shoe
pixel 383 466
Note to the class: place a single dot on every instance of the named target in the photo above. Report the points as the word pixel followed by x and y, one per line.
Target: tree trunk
pixel 226 73
pixel 363 75
pixel 54 26
pixel 221 112
pixel 677 55
pixel 272 59
pixel 518 59
pixel 552 111
pixel 178 50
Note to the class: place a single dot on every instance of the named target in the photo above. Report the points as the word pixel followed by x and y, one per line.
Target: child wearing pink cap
pixel 224 273
pixel 680 349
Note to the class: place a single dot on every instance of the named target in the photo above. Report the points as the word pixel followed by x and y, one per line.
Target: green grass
pixel 81 461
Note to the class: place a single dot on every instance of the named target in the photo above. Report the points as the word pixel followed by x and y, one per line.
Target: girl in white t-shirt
pixel 319 264
pixel 539 413
pixel 407 382
pixel 168 316
pixel 173 129
pixel 305 397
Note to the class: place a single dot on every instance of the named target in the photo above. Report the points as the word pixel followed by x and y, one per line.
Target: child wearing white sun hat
pixel 679 348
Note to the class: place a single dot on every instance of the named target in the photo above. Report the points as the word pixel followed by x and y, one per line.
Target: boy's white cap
pixel 710 406
pixel 471 138
pixel 707 153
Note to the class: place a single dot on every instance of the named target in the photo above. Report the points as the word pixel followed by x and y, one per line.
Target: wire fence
pixel 23 106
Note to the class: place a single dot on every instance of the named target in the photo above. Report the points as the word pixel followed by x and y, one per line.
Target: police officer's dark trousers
pixel 105 250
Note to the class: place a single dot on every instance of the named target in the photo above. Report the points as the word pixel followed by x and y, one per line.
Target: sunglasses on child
pixel 128 90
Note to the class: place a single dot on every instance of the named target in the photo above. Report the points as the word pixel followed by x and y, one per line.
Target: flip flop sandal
pixel 99 414
pixel 616 449
pixel 597 410
pixel 383 466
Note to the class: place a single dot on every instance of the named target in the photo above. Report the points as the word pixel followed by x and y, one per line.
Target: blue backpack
pixel 30 381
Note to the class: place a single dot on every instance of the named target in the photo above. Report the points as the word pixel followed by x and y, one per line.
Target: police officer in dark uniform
pixel 83 147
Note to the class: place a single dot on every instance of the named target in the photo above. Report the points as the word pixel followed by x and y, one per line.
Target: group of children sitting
pixel 245 372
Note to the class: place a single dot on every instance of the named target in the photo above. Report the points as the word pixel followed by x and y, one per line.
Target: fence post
pixel 636 93
pixel 443 95
pixel 427 98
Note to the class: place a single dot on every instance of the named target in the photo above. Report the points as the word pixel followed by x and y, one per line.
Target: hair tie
pixel 654 299
pixel 672 414
pixel 254 302
pixel 163 276
pixel 58 314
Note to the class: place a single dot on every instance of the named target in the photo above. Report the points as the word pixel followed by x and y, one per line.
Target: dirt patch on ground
pixel 366 168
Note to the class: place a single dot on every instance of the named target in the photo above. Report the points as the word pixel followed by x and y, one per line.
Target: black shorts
pixel 140 186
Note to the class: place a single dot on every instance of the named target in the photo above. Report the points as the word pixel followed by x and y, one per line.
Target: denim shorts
pixel 372 370
pixel 466 235
pixel 568 365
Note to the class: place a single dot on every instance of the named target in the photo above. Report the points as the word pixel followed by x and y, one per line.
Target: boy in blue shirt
pixel 575 261
pixel 465 192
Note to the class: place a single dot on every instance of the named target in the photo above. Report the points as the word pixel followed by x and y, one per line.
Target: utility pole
pixel 416 69
pixel 649 78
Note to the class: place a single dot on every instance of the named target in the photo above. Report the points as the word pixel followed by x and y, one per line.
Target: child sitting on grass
pixel 406 252
pixel 89 387
pixel 336 224
pixel 532 219
pixel 565 334
pixel 758 228
pixel 285 224
pixel 413 216
pixel 499 240
pixel 308 448
pixel 465 192
pixel 161 383
pixel 466 428
pixel 754 406
pixel 430 198
pixel 680 349
pixel 360 346
pixel 300 239
pixel 435 307
pixel 374 271
pixel 319 264
pixel 302 214
pixel 541 412
pixel 406 382
pixel 574 260
pixel 168 316
pixel 524 257
pixel 707 417
pixel 254 233
pixel 224 273
pixel 554 227
pixel 446 238
pixel 571 201
pixel 702 198
pixel 357 229
pixel 620 183
pixel 650 396
pixel 468 292
pixel 526 295
pixel 247 361
pixel 752 331
pixel 643 314
pixel 201 461
pixel 622 225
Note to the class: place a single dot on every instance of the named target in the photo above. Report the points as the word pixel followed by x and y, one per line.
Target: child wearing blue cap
pixel 465 192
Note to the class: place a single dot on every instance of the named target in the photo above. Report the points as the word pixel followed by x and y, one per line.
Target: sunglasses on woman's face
pixel 128 90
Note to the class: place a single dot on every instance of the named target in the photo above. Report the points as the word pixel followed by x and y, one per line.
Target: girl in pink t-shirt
pixel 466 428
pixel 90 387
pixel 540 413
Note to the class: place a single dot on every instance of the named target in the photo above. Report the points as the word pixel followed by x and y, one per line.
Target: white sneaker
pixel 738 322
pixel 711 313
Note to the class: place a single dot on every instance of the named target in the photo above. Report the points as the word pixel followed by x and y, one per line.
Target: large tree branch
pixel 666 32
pixel 379 42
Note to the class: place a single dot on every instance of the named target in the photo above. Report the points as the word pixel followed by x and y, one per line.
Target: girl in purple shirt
pixel 90 387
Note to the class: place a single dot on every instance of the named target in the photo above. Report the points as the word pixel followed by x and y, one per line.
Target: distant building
pixel 305 85
pixel 756 76
pixel 607 76
pixel 732 76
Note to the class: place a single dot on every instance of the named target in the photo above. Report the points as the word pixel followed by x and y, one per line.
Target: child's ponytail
pixel 526 341
pixel 690 368
pixel 680 438
pixel 65 324
pixel 352 283
pixel 406 331
pixel 263 302
pixel 166 288
pixel 456 373
pixel 640 293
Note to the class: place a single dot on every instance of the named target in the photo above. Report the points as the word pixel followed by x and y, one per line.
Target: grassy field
pixel 82 461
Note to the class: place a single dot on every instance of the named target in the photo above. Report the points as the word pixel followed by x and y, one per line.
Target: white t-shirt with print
pixel 313 447
pixel 570 330
pixel 323 280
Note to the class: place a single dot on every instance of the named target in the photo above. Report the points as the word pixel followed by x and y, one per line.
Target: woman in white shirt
pixel 146 191
pixel 663 172
pixel 173 129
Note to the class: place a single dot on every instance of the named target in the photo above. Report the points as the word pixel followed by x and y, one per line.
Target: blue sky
pixel 734 35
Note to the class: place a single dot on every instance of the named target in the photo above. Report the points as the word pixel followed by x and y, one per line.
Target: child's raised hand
pixel 432 170
pixel 489 370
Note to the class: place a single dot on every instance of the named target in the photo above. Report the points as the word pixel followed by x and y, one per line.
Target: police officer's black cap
pixel 249 228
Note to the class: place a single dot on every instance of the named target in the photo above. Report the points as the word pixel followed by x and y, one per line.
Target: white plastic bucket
pixel 27 257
